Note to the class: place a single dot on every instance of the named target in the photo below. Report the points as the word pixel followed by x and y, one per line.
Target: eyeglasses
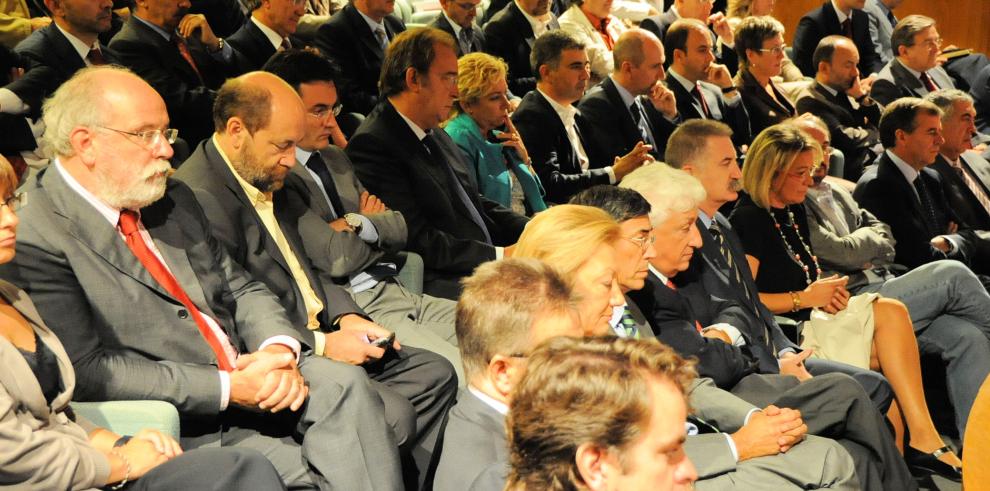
pixel 149 138
pixel 14 202
pixel 776 50
pixel 801 175
pixel 644 242
pixel 325 111
pixel 932 43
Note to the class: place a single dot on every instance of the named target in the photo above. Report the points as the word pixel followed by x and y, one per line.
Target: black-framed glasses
pixel 14 202
pixel 323 111
pixel 149 138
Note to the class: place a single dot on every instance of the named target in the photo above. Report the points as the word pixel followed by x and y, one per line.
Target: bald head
pixel 638 61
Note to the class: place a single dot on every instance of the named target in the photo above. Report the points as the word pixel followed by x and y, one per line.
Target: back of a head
pixel 301 66
pixel 584 391
pixel 498 306
pixel 667 190
pixel 690 140
pixel 548 48
pixel 902 114
pixel 414 48
pixel 771 153
pixel 620 203
pixel 565 236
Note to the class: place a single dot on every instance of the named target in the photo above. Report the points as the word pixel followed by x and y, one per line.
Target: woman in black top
pixel 772 226
pixel 760 45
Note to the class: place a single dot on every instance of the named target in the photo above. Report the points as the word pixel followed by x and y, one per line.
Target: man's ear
pixel 688 167
pixel 593 466
pixel 81 140
pixel 236 132
pixel 502 372
pixel 412 79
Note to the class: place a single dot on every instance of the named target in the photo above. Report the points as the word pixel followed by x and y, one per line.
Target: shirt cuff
pixel 499 253
pixel 953 242
pixel 731 331
pixel 734 100
pixel 11 104
pixel 319 343
pixel 781 353
pixel 750 415
pixel 732 447
pixel 225 54
pixel 611 174
pixel 369 233
pixel 287 341
pixel 224 390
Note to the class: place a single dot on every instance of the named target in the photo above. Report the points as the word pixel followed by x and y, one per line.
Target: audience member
pixel 510 35
pixel 114 254
pixel 556 6
pixel 861 330
pixel 980 90
pixel 548 121
pixel 270 28
pixel 947 302
pixel 507 308
pixel 914 71
pixel 361 248
pixel 224 16
pixel 47 446
pixel 19 19
pixel 632 105
pixel 901 192
pixel 882 22
pixel 835 17
pixel 356 38
pixel 457 19
pixel 760 45
pixel 180 57
pixel 591 24
pixel 720 32
pixel 853 127
pixel 401 157
pixel 703 89
pixel 502 167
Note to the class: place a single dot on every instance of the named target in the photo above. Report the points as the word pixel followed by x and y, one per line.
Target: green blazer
pixel 489 162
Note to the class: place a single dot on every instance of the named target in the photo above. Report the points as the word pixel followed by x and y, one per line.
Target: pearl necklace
pixel 790 251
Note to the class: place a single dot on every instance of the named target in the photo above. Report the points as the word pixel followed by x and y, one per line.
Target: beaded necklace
pixel 790 252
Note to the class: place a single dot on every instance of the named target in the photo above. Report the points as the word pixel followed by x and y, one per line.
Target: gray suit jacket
pixel 473 440
pixel 894 81
pixel 342 254
pixel 127 337
pixel 880 29
pixel 42 447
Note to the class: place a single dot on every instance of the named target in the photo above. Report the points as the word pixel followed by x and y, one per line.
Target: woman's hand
pixel 510 138
pixel 821 293
pixel 163 443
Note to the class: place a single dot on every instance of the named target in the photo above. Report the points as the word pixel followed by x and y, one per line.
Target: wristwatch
pixel 353 220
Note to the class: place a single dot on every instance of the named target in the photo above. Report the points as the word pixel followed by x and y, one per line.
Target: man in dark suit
pixel 843 101
pixel 558 7
pixel 549 123
pixel 903 193
pixel 980 91
pixel 185 65
pixel 721 33
pixel 355 39
pixel 914 71
pixel 510 35
pixel 421 173
pixel 703 89
pixel 224 16
pixel 120 262
pixel 632 105
pixel 841 17
pixel 271 28
pixel 457 19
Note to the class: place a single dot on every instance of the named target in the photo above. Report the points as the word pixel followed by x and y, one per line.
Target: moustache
pixel 735 185
pixel 160 168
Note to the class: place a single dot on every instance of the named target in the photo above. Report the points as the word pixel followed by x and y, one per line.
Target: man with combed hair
pixel 506 309
pixel 599 414
pixel 720 31
pixel 121 264
pixel 633 104
pixel 914 71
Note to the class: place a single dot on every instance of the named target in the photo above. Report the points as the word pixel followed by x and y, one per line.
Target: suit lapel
pixel 905 78
pixel 890 173
pixel 343 176
pixel 363 32
pixel 313 192
pixel 978 168
pixel 71 62
pixel 615 100
pixel 169 240
pixel 687 105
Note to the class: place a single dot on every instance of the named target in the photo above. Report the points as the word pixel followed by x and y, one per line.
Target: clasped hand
pixel 268 380
pixel 769 432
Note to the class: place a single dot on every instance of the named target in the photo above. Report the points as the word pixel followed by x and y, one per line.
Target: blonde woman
pixel 481 126
pixel 865 330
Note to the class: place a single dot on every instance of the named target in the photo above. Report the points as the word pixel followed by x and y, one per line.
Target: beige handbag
pixel 846 336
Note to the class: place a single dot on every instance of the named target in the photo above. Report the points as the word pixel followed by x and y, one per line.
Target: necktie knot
pixel 95 57
pixel 928 82
pixel 128 222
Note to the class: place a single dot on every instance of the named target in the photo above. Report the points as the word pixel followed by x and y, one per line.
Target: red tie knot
pixel 128 222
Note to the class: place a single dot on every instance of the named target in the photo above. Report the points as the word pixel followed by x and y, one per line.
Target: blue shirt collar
pixel 162 32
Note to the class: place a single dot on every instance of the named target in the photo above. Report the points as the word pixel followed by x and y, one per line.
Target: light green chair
pixel 129 417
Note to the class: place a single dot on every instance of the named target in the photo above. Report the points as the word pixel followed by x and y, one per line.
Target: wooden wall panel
pixel 960 22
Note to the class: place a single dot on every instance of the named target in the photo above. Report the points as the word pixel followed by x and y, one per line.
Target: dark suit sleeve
pixel 806 38
pixel 912 245
pixel 603 139
pixel 339 45
pixel 884 91
pixel 737 118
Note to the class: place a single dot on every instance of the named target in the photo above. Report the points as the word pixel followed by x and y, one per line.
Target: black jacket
pixel 824 21
pixel 610 128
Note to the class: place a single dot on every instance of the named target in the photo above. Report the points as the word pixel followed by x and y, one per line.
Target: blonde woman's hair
pixel 476 72
pixel 566 236
pixel 772 152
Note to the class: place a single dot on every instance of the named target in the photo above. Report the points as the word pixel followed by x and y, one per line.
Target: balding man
pixel 121 264
pixel 272 28
pixel 631 105
pixel 237 180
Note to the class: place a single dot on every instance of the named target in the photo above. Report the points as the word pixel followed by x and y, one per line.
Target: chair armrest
pixel 129 417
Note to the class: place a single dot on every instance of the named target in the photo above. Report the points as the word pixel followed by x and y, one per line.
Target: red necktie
pixel 701 98
pixel 129 227
pixel 95 57
pixel 180 44
pixel 672 286
pixel 929 83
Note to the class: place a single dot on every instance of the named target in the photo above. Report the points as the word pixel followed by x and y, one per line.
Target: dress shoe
pixel 928 462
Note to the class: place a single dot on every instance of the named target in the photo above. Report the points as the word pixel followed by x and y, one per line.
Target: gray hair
pixel 946 100
pixel 668 190
pixel 77 102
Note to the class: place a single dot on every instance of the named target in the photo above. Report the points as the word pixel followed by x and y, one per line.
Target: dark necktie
pixel 696 92
pixel 627 324
pixel 464 40
pixel 847 27
pixel 723 248
pixel 316 164
pixel 128 225
pixel 670 284
pixel 180 44
pixel 95 57
pixel 927 206
pixel 284 45
pixel 891 18
pixel 929 83
pixel 382 38
pixel 644 126
pixel 437 155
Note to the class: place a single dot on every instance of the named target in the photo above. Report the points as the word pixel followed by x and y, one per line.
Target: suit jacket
pixel 128 338
pixel 733 115
pixel 238 228
pixel 554 159
pixel 50 60
pixel 473 441
pixel 347 40
pixel 225 16
pixel 340 254
pixel 853 129
pixel 574 22
pixel 764 111
pixel 188 97
pixel 556 6
pixel 980 90
pixel 824 21
pixel 895 81
pixel 252 48
pixel 611 129
pixel 881 28
pixel 885 192
pixel 59 455
pixel 477 34
pixel 658 25
pixel 960 198
pixel 397 167
pixel 509 36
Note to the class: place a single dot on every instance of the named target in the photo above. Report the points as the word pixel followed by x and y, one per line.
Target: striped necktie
pixel 627 325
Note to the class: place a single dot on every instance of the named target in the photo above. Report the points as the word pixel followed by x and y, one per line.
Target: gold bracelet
pixel 795 302
pixel 127 469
